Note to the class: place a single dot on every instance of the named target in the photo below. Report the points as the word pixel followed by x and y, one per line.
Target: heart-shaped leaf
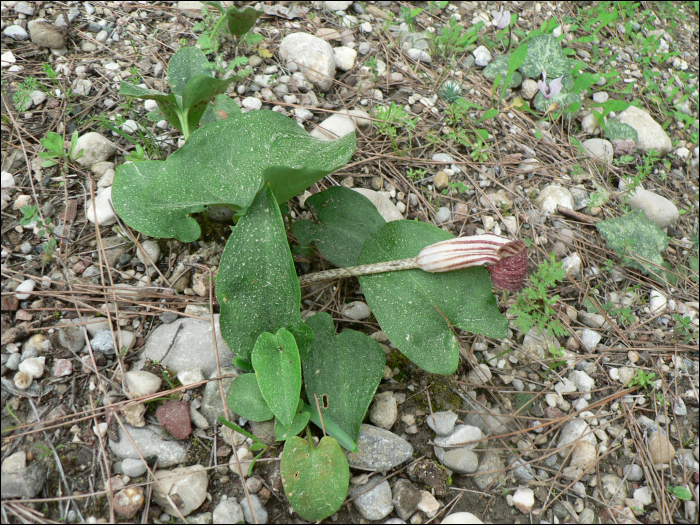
pixel 244 398
pixel 277 366
pixel 223 107
pixel 636 239
pixel 346 219
pixel 283 433
pixel 343 371
pixel 198 92
pixel 417 309
pixel 315 479
pixel 226 162
pixel 616 130
pixel 240 22
pixel 257 285
pixel 544 53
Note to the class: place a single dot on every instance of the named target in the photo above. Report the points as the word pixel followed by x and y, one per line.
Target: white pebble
pixel 25 286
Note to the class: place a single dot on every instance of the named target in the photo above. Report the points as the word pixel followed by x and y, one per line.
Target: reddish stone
pixel 553 413
pixel 10 303
pixel 62 368
pixel 23 315
pixel 175 418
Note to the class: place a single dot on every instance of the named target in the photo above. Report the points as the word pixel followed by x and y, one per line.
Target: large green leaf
pixel 544 53
pixel 226 162
pixel 199 90
pixel 343 371
pixel 315 479
pixel 501 66
pixel 616 130
pixel 636 239
pixel 277 366
pixel 257 285
pixel 223 107
pixel 346 219
pixel 562 99
pixel 168 104
pixel 184 65
pixel 245 399
pixel 416 309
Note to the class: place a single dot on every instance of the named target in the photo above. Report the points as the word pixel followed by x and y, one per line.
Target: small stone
pixel 590 339
pixel 461 518
pixel 23 380
pixel 613 489
pixel 45 34
pixel 524 499
pixel 443 215
pixel 660 449
pixel 127 502
pixel 657 302
pixel 228 511
pixel 344 58
pixel 419 55
pixel 96 148
pixel 34 366
pixel 482 56
pixel 24 288
pixel 384 412
pixel 379 450
pixel 633 472
pixel 571 432
pixel 375 504
pixel 553 196
pixel 189 376
pixel 133 467
pixel 186 485
pixel 140 383
pixel 583 454
pixel 102 210
pixel 258 507
pixel 643 495
pixel 16 32
pixel 175 418
pixel 356 310
pixel 442 423
pixel 251 103
pixel 441 180
pixel 405 498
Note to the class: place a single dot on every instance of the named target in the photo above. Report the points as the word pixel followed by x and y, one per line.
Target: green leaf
pixel 636 239
pixel 245 399
pixel 315 479
pixel 226 163
pixel 282 433
pixel 223 107
pixel 616 130
pixel 544 53
pixel 257 285
pixel 184 65
pixel 563 99
pixel 53 143
pixel 331 428
pixel 343 371
pixel 417 309
pixel 346 219
pixel 169 105
pixel 198 92
pixel 681 493
pixel 277 366
pixel 240 22
pixel 500 66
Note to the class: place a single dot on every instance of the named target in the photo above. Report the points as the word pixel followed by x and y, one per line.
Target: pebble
pixel 102 210
pixel 643 495
pixel 492 467
pixel 23 482
pixel 174 415
pixel 583 454
pixel 590 339
pixel 258 507
pixel 428 504
pixel 460 460
pixel 312 55
pixel 188 485
pixel 96 148
pixel 599 149
pixel 133 467
pixel 633 472
pixel 127 502
pixel 356 310
pixel 341 124
pixel 463 518
pixel 524 499
pixel 376 504
pixel 443 215
pixel 587 516
pixel 25 287
pixel 584 383
pixel 419 55
pixel 379 450
pixel 384 411
pixel 657 302
pixel 33 366
pixel 45 34
pixel 571 431
pixel 16 32
pixel 228 511
pixel 553 196
pixel 405 498
pixel 482 56
pixel 442 423
pixel 660 449
pixel 140 383
pixel 251 103
pixel 344 58
pixel 613 489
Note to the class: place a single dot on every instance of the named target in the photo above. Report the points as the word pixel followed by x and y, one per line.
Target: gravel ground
pixel 605 428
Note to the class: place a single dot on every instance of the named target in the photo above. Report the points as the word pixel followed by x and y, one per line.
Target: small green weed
pixel 680 492
pixel 390 119
pixel 534 307
pixel 684 329
pixel 409 14
pixel 450 91
pixel 643 380
pixel 31 215
pixel 22 97
pixel 54 149
pixel 415 175
pixel 450 39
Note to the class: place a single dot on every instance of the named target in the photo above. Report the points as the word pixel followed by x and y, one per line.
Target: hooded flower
pixel 505 260
pixel 502 19
pixel 555 86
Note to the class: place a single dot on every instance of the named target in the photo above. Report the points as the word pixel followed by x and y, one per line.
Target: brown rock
pixel 45 34
pixel 660 448
pixel 127 502
pixel 10 303
pixel 175 418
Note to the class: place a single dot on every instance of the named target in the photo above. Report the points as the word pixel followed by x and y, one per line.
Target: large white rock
pixel 102 210
pixel 656 208
pixel 96 148
pixel 650 135
pixel 313 56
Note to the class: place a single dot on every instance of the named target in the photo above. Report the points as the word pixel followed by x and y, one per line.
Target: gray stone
pixel 24 8
pixel 590 339
pixel 461 518
pixel 375 504
pixel 613 489
pixel 443 215
pixel 168 317
pixel 16 32
pixel 151 440
pixel 650 135
pixel 553 196
pixel 584 383
pixel 96 149
pixel 384 411
pixel 461 436
pixel 460 460
pixel 419 55
pixel 190 347
pixel 442 423
pixel 115 247
pixel 101 211
pixel 379 449
pixel 493 468
pixel 313 56
pixel 656 208
pixel 587 516
pixel 405 498
pixel 45 34
pixel 482 56
pixel 341 124
pixel 570 433
pixel 529 89
pixel 212 405
pixel 70 338
pixel 660 449
pixel 356 310
pixel 133 467
pixel 149 249
pixel 599 149
pixel 258 507
pixel 186 485
pixel 228 511
pixel 523 472
pixel 633 472
pixel 23 483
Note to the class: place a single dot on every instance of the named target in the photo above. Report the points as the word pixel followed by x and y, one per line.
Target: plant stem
pixel 354 271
